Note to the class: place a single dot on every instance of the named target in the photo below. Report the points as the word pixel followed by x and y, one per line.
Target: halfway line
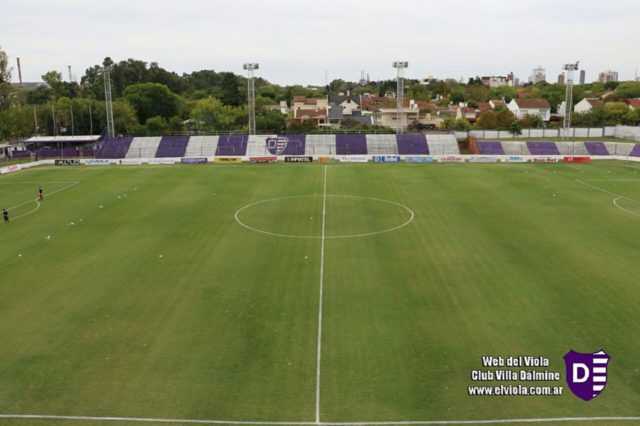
pixel 319 345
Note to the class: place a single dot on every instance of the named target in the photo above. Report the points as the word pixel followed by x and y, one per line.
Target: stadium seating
pixel 490 148
pixel 382 144
pixel 543 148
pixel 415 144
pixel 201 146
pixel 351 144
pixel 443 145
pixel 572 148
pixel 232 145
pixel 596 148
pixel 294 144
pixel 619 148
pixel 635 152
pixel 515 148
pixel 114 148
pixel 21 154
pixel 144 147
pixel 172 146
pixel 320 145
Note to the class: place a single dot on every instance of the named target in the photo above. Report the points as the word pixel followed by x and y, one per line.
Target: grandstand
pixel 172 146
pixel 143 147
pixel 415 144
pixel 202 146
pixel 320 145
pixel 572 148
pixel 382 144
pixel 351 144
pixel 491 148
pixel 515 148
pixel 443 145
pixel 230 145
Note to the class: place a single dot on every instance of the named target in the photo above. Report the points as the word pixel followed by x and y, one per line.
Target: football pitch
pixel 314 293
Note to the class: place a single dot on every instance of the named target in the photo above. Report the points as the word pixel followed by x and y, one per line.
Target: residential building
pixel 319 116
pixel 607 76
pixel 561 78
pixel 538 75
pixel 495 81
pixel 302 102
pixel 583 76
pixel 587 104
pixel 531 106
pixel 634 104
pixel 496 102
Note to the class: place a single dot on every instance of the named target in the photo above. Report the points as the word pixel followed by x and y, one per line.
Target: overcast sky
pixel 295 41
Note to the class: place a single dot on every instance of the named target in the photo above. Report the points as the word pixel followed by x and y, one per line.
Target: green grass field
pixel 134 292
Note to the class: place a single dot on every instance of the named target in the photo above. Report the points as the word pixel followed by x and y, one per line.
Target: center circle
pixel 347 216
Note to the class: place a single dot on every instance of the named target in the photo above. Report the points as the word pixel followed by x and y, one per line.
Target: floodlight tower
pixel 400 66
pixel 251 95
pixel 108 101
pixel 568 97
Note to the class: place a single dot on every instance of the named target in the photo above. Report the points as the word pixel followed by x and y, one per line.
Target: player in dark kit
pixel 5 215
pixel 41 193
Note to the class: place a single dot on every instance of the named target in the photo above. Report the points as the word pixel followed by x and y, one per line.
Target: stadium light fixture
pixel 568 97
pixel 400 66
pixel 250 67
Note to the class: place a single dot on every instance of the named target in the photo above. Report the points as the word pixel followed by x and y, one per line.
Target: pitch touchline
pixel 269 423
pixel 615 200
pixel 319 344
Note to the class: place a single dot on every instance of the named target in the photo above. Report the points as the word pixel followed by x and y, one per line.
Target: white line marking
pixel 615 200
pixel 276 423
pixel 319 344
pixel 328 237
pixel 36 200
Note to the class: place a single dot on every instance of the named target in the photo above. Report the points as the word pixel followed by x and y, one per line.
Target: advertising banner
pixel 10 169
pixel 386 159
pixel 451 159
pixel 418 159
pixel 227 160
pixel 263 159
pixel 96 162
pixel 545 160
pixel 200 160
pixel 483 160
pixel 324 159
pixel 164 161
pixel 515 159
pixel 354 159
pixel 576 159
pixel 67 162
pixel 130 162
pixel 308 159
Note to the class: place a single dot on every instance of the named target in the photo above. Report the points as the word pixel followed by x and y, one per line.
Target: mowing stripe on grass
pixel 319 345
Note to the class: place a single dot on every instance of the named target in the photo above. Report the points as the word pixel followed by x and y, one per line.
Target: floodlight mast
pixel 568 97
pixel 251 95
pixel 108 101
pixel 400 66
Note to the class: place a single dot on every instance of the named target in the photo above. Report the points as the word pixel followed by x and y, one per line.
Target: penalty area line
pixel 282 423
pixel 37 201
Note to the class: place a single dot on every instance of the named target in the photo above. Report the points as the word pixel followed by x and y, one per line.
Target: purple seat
pixel 635 152
pixel 543 148
pixel 172 146
pixel 351 144
pixel 48 153
pixel 286 144
pixel 21 154
pixel 232 145
pixel 596 148
pixel 412 144
pixel 114 147
pixel 491 148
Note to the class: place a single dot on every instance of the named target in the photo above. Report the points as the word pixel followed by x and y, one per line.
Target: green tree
pixel 461 124
pixel 151 100
pixel 503 92
pixel 487 121
pixel 156 125
pixel 271 122
pixel 504 119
